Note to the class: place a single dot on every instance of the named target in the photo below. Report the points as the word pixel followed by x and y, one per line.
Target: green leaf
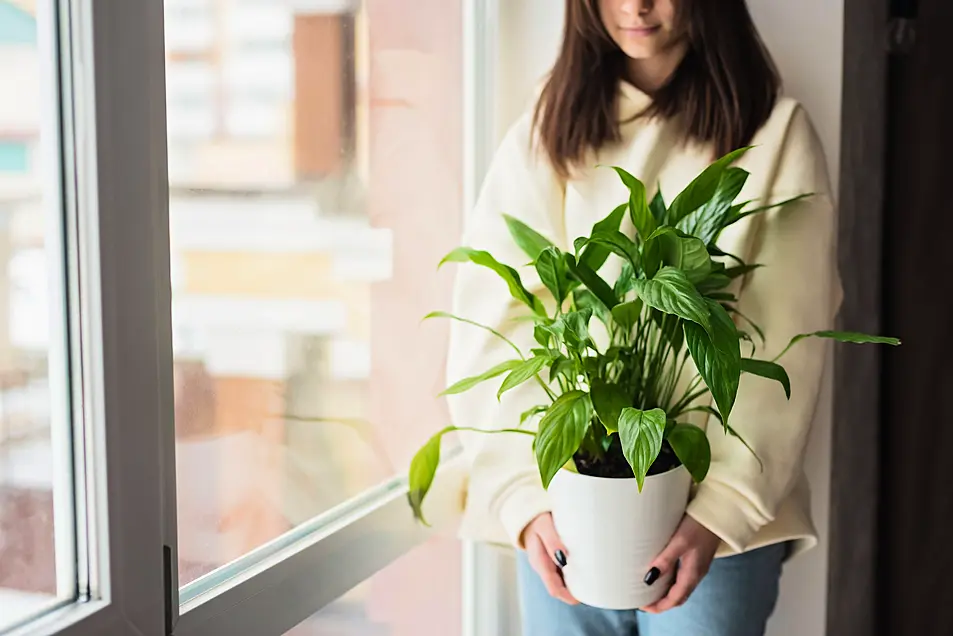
pixel 618 243
pixel 738 214
pixel 671 292
pixel 626 314
pixel 423 467
pixel 530 412
pixel 585 299
pixel 556 331
pixel 563 366
pixel 522 373
pixel 652 253
pixel 579 244
pixel 625 282
pixel 542 334
pixel 851 337
pixel 591 365
pixel 608 401
pixel 657 206
pixel 468 383
pixel 443 314
pixel 526 238
pixel 713 282
pixel 740 270
pixel 718 358
pixel 593 282
pixel 553 273
pixel 702 188
pixel 669 246
pixel 715 251
pixel 669 425
pixel 707 221
pixel 575 328
pixel 642 217
pixel 641 435
pixel 687 254
pixel 561 432
pixel 769 370
pixel 738 437
pixel 595 256
pixel 507 273
pixel 690 444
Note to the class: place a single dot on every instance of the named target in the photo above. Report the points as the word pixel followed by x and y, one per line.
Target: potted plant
pixel 611 444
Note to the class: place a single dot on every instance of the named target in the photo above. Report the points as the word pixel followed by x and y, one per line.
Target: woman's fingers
pixel 667 562
pixel 688 556
pixel 687 579
pixel 548 555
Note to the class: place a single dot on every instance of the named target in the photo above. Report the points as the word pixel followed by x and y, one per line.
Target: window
pixel 304 238
pixel 299 376
pixel 36 509
pixel 81 525
pixel 408 598
pixel 212 368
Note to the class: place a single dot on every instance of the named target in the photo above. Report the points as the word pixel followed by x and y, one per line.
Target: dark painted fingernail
pixel 561 558
pixel 652 576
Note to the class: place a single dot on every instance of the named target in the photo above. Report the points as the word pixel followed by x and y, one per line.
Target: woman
pixel 660 88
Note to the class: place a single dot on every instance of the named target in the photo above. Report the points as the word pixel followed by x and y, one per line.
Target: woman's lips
pixel 641 31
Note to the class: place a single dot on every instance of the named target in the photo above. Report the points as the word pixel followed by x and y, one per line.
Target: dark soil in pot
pixel 614 466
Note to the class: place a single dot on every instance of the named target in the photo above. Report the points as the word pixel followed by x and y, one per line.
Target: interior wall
pixel 812 74
pixel 529 38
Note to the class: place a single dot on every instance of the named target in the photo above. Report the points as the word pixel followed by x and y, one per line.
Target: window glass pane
pixel 315 163
pixel 36 527
pixel 417 595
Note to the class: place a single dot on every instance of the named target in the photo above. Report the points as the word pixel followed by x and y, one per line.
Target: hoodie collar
pixel 632 101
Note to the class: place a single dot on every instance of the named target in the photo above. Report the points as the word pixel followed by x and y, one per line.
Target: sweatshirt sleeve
pixel 504 485
pixel 797 291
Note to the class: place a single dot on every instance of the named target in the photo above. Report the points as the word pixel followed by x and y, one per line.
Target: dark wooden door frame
pixel 852 590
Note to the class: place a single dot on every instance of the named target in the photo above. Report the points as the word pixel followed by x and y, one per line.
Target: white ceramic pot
pixel 613 533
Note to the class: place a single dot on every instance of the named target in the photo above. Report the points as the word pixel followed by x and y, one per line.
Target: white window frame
pixel 490 607
pixel 115 405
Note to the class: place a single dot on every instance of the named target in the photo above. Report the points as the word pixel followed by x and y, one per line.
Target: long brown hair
pixel 723 90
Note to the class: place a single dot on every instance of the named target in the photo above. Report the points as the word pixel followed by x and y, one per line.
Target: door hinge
pixel 902 35
pixel 169 583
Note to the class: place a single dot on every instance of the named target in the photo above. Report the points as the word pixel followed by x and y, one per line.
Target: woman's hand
pixel 691 549
pixel 547 555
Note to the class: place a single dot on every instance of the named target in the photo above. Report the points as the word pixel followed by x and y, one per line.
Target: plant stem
pixel 549 392
pixel 676 371
pixel 688 397
pixel 471 429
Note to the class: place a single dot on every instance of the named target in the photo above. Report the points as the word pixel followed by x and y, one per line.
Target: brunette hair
pixel 724 89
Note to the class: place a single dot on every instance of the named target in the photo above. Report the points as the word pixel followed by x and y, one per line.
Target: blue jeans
pixel 736 598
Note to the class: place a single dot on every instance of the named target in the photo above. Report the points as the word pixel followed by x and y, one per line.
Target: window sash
pixel 283 583
pixel 109 109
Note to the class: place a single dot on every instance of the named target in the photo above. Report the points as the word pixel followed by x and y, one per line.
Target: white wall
pixel 806 39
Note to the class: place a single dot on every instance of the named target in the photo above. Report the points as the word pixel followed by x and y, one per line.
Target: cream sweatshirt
pixel 797 291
